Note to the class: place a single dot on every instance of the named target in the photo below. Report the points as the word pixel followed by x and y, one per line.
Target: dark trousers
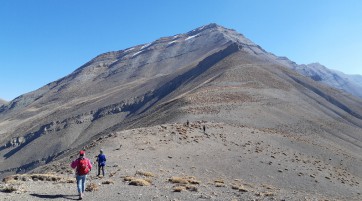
pixel 99 169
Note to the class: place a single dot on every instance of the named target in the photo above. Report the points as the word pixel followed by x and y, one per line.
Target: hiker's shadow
pixel 45 196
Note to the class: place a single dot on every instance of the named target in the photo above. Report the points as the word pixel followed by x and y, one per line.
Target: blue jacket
pixel 101 160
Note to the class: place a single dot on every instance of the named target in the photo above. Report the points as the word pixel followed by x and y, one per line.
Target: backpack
pixel 82 168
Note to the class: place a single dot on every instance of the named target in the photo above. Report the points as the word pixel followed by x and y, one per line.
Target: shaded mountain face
pixel 210 73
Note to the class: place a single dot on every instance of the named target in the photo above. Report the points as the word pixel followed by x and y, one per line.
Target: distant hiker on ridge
pixel 101 159
pixel 83 167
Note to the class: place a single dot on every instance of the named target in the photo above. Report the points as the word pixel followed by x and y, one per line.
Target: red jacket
pixel 75 163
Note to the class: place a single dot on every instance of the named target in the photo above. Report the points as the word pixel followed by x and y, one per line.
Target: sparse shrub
pixel 219 184
pixel 192 188
pixel 239 188
pixel 178 188
pixel 139 182
pixel 193 181
pixel 268 194
pixel 148 180
pixel 112 174
pixel 146 174
pixel 219 181
pixel 34 177
pixel 9 189
pixel 178 180
pixel 91 187
pixel 184 180
pixel 45 177
pixel 8 179
pixel 128 178
pixel 108 182
pixel 70 181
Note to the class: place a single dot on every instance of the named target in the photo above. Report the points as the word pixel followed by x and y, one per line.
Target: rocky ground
pixel 182 162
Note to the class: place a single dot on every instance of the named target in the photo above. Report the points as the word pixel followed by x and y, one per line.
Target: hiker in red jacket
pixel 83 167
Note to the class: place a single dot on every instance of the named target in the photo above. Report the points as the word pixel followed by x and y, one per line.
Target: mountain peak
pixel 209 26
pixel 222 32
pixel 2 101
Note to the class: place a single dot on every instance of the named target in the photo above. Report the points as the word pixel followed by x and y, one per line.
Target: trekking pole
pixel 97 169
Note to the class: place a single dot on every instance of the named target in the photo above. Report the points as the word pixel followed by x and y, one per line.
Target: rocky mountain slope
pixel 110 90
pixel 210 74
pixel 182 162
pixel 348 83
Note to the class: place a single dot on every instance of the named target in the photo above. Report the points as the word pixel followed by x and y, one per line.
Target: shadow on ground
pixel 58 196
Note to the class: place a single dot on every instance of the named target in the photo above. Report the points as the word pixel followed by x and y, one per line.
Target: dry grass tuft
pixel 193 181
pixel 184 180
pixel 178 180
pixel 70 180
pixel 240 188
pixel 9 179
pixel 269 187
pixel 139 182
pixel 34 177
pixel 146 174
pixel 112 174
pixel 108 182
pixel 45 177
pixel 178 188
pixel 128 178
pixel 221 181
pixel 9 189
pixel 219 184
pixel 192 188
pixel 92 187
pixel 268 194
pixel 148 180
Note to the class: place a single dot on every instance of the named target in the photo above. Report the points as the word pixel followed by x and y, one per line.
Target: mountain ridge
pixel 354 82
pixel 332 78
pixel 3 102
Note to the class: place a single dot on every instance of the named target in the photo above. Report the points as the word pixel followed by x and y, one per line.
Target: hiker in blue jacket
pixel 101 159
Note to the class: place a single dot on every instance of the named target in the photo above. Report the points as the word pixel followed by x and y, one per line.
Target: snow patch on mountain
pixel 137 53
pixel 145 46
pixel 191 37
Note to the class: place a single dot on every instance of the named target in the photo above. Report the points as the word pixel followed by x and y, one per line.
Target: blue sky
pixel 44 40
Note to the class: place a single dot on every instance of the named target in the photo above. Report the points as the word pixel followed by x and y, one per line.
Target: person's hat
pixel 81 152
pixel 101 151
